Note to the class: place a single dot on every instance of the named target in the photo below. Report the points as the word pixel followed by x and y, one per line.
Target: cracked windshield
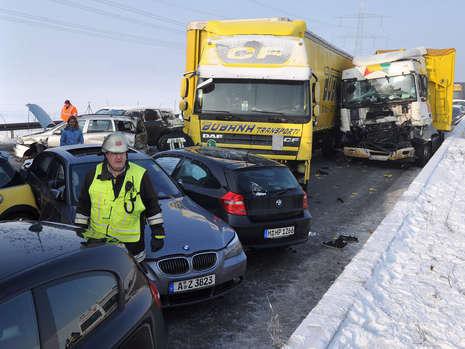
pixel 388 89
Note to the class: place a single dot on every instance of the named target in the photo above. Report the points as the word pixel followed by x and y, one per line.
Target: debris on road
pixel 340 200
pixel 341 241
pixel 320 172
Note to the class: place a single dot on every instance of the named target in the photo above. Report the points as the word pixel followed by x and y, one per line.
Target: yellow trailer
pixel 267 86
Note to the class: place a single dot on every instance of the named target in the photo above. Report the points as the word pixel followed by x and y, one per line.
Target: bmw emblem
pixel 186 247
pixel 279 203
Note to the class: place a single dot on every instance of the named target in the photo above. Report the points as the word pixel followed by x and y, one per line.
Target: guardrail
pixel 17 126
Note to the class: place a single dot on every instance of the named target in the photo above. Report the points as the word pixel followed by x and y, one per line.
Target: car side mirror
pixel 58 132
pixel 180 182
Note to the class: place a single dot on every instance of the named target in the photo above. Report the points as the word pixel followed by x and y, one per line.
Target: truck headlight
pixel 234 248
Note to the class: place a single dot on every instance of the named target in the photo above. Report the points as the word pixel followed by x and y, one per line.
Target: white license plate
pixel 191 284
pixel 276 233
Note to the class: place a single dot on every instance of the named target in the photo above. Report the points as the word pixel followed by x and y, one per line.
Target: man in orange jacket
pixel 68 110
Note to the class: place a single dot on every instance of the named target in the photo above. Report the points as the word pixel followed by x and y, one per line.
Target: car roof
pixel 22 249
pixel 228 158
pixel 132 108
pixel 104 117
pixel 85 153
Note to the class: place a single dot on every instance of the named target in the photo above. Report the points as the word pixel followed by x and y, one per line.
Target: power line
pixel 140 12
pixel 81 29
pixel 203 12
pixel 311 20
pixel 113 15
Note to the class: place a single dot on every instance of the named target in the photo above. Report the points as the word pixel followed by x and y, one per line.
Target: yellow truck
pixel 267 86
pixel 397 103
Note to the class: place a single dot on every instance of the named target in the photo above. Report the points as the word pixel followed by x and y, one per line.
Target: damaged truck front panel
pixel 394 104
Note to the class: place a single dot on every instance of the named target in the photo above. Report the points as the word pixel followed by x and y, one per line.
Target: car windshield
pixel 381 90
pixel 258 97
pixel 163 185
pixel 264 180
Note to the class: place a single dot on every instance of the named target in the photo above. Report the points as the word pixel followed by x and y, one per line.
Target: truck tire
pixel 423 152
pixel 162 143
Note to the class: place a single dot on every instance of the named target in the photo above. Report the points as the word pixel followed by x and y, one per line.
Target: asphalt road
pixel 282 286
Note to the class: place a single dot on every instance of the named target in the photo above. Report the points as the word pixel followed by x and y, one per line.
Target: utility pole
pixel 360 36
pixel 89 109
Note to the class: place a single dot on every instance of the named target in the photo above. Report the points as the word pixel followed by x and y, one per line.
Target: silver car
pixel 94 129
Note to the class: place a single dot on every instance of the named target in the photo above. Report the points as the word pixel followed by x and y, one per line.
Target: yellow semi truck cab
pixel 267 86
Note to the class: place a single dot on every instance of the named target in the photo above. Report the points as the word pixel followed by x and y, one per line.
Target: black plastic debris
pixel 335 243
pixel 341 241
pixel 349 238
pixel 340 200
pixel 322 172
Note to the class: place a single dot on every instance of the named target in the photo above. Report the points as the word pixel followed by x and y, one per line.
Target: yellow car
pixel 16 197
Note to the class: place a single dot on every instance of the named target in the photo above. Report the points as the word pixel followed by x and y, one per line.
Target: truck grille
pixel 174 266
pixel 204 261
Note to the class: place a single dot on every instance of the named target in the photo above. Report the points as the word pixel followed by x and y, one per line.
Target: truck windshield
pixel 381 90
pixel 257 98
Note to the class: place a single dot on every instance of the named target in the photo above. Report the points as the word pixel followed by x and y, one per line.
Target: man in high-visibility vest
pixel 68 110
pixel 116 200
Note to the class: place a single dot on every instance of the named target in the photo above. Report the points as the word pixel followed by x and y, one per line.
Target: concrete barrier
pixel 320 327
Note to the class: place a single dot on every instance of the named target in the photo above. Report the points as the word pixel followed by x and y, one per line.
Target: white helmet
pixel 115 142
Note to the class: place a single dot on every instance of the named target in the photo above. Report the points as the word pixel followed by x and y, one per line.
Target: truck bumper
pixel 364 153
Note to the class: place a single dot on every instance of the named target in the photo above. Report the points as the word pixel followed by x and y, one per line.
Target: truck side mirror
pixel 184 87
pixel 183 104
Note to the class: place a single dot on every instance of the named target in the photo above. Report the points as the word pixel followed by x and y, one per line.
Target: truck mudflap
pixel 364 153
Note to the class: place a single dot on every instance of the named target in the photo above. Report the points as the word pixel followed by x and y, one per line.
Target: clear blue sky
pixel 130 52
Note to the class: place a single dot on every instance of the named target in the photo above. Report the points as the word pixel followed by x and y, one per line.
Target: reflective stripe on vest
pixel 108 218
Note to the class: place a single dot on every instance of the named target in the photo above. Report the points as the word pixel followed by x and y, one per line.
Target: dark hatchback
pixel 56 293
pixel 258 197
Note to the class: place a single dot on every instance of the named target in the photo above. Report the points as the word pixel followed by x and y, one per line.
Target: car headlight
pixel 234 248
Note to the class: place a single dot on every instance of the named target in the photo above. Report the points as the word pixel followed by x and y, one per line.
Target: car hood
pixel 189 229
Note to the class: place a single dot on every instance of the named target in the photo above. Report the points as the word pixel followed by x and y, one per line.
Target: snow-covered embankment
pixel 406 287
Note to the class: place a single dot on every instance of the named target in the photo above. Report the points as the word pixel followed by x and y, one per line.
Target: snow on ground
pixel 406 288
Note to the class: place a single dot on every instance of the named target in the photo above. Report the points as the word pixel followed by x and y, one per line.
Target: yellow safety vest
pixel 108 217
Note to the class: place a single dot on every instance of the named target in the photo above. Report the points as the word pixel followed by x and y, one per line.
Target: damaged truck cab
pixel 395 104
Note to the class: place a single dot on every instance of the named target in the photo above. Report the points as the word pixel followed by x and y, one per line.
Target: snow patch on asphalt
pixel 406 288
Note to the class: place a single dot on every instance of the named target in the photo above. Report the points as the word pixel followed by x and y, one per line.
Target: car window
pixel 125 126
pixel 193 173
pixel 263 179
pixel 7 172
pixel 81 124
pixel 18 324
pixel 151 115
pixel 80 304
pixel 57 174
pixel 168 163
pixel 100 126
pixel 41 165
pixel 163 184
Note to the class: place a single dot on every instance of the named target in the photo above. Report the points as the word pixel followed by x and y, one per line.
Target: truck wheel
pixel 423 152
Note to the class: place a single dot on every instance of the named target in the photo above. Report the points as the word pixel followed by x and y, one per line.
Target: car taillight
pixel 155 293
pixel 305 201
pixel 233 203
